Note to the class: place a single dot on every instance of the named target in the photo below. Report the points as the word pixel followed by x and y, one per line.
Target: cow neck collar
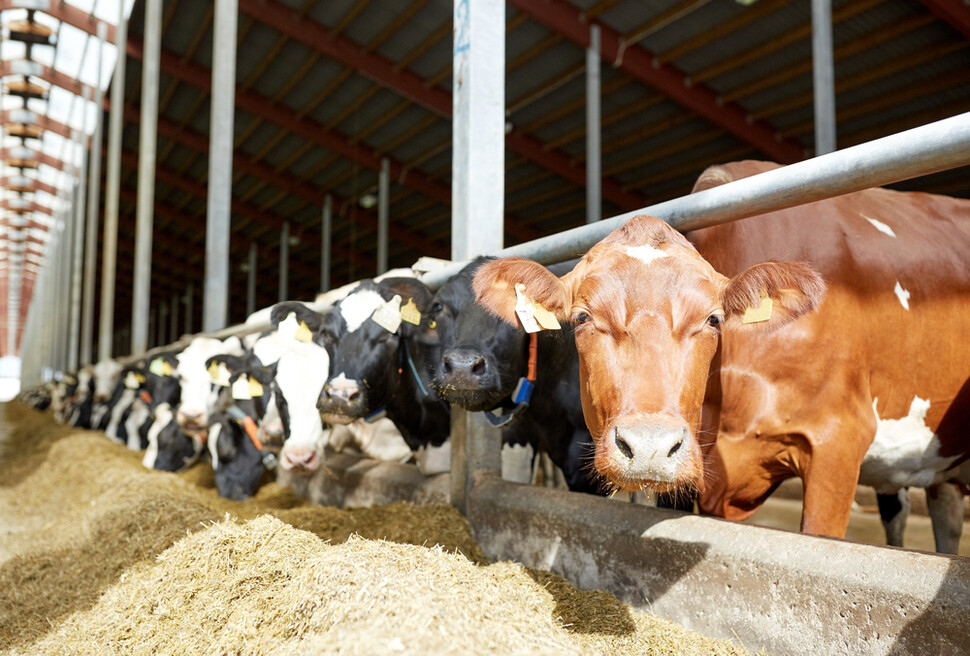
pixel 404 359
pixel 248 425
pixel 522 394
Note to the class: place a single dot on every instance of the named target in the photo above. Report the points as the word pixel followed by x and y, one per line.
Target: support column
pixel 189 293
pixel 94 206
pixel 144 216
pixel 594 203
pixel 383 214
pixel 325 244
pixel 284 260
pixel 216 299
pixel 251 280
pixel 112 191
pixel 823 76
pixel 478 194
pixel 77 248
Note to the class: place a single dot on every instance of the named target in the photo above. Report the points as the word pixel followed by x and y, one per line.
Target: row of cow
pixel 835 352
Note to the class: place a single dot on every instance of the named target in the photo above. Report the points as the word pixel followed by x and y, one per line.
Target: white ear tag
pixel 160 367
pixel 219 374
pixel 525 310
pixel 388 315
pixel 411 313
pixel 240 389
pixel 131 381
pixel 303 333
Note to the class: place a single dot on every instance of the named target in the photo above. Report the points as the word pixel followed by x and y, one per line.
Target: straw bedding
pixel 98 555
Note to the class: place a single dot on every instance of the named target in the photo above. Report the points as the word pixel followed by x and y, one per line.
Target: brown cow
pixel 679 389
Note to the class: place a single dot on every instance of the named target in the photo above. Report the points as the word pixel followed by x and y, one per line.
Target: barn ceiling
pixel 326 89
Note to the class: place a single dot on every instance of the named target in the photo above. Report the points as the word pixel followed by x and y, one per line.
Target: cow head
pixel 482 356
pixel 364 334
pixel 301 371
pixel 199 396
pixel 649 315
pixel 106 375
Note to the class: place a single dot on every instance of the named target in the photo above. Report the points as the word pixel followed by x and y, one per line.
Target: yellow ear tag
pixel 240 389
pixel 219 373
pixel 411 313
pixel 303 333
pixel 525 310
pixel 545 318
pixel 214 371
pixel 388 315
pixel 158 367
pixel 760 313
pixel 255 388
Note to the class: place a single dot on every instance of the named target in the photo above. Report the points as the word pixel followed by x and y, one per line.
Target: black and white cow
pixel 131 385
pixel 384 347
pixel 166 448
pixel 485 361
pixel 105 374
pixel 82 401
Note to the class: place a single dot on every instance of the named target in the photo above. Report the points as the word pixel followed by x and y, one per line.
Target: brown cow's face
pixel 648 313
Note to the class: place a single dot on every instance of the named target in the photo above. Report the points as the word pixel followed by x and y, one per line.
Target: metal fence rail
pixel 914 153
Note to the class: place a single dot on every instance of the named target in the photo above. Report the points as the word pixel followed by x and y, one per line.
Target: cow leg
pixel 894 510
pixel 830 484
pixel 945 504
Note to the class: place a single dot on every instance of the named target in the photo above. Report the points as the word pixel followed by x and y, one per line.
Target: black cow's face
pixel 238 463
pixel 176 450
pixel 161 382
pixel 366 360
pixel 482 357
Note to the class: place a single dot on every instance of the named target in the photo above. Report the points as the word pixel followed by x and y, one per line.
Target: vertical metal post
pixel 174 325
pixel 478 194
pixel 251 280
pixel 94 205
pixel 112 191
pixel 383 214
pixel 77 238
pixel 216 295
pixel 823 76
pixel 151 341
pixel 325 243
pixel 189 293
pixel 144 216
pixel 284 260
pixel 594 204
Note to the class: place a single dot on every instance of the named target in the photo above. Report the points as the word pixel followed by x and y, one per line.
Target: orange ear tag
pixel 760 313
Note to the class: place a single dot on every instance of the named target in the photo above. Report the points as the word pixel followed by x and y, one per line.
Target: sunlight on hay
pixel 98 555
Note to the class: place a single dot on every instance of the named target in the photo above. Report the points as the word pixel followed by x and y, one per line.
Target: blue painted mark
pixel 461 25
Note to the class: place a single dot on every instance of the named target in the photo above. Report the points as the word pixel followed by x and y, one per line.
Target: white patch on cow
pixel 434 459
pixel 213 443
pixel 905 452
pixel 380 440
pixel 139 415
pixel 300 375
pixel 163 417
pixel 126 399
pixel 106 373
pixel 880 226
pixel 269 348
pixel 340 381
pixel 645 254
pixel 357 308
pixel 517 463
pixel 902 295
pixel 197 394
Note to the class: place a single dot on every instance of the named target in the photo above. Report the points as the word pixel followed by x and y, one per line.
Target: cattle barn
pixel 195 196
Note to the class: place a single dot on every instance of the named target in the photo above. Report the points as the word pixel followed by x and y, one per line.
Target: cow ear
pixel 495 283
pixel 771 294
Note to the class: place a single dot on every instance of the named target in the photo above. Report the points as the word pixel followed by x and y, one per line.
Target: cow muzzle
pixel 191 421
pixel 651 451
pixel 467 378
pixel 341 403
pixel 299 460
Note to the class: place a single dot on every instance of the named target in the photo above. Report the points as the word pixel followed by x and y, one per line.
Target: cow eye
pixel 581 317
pixel 436 307
pixel 714 321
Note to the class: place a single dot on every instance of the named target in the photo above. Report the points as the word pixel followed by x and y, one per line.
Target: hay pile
pixel 98 555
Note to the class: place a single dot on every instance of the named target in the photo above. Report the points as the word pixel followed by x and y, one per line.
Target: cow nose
pixel 299 459
pixel 648 451
pixel 662 444
pixel 341 399
pixel 100 398
pixel 464 368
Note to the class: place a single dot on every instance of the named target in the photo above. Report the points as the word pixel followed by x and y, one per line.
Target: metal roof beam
pixel 954 12
pixel 638 62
